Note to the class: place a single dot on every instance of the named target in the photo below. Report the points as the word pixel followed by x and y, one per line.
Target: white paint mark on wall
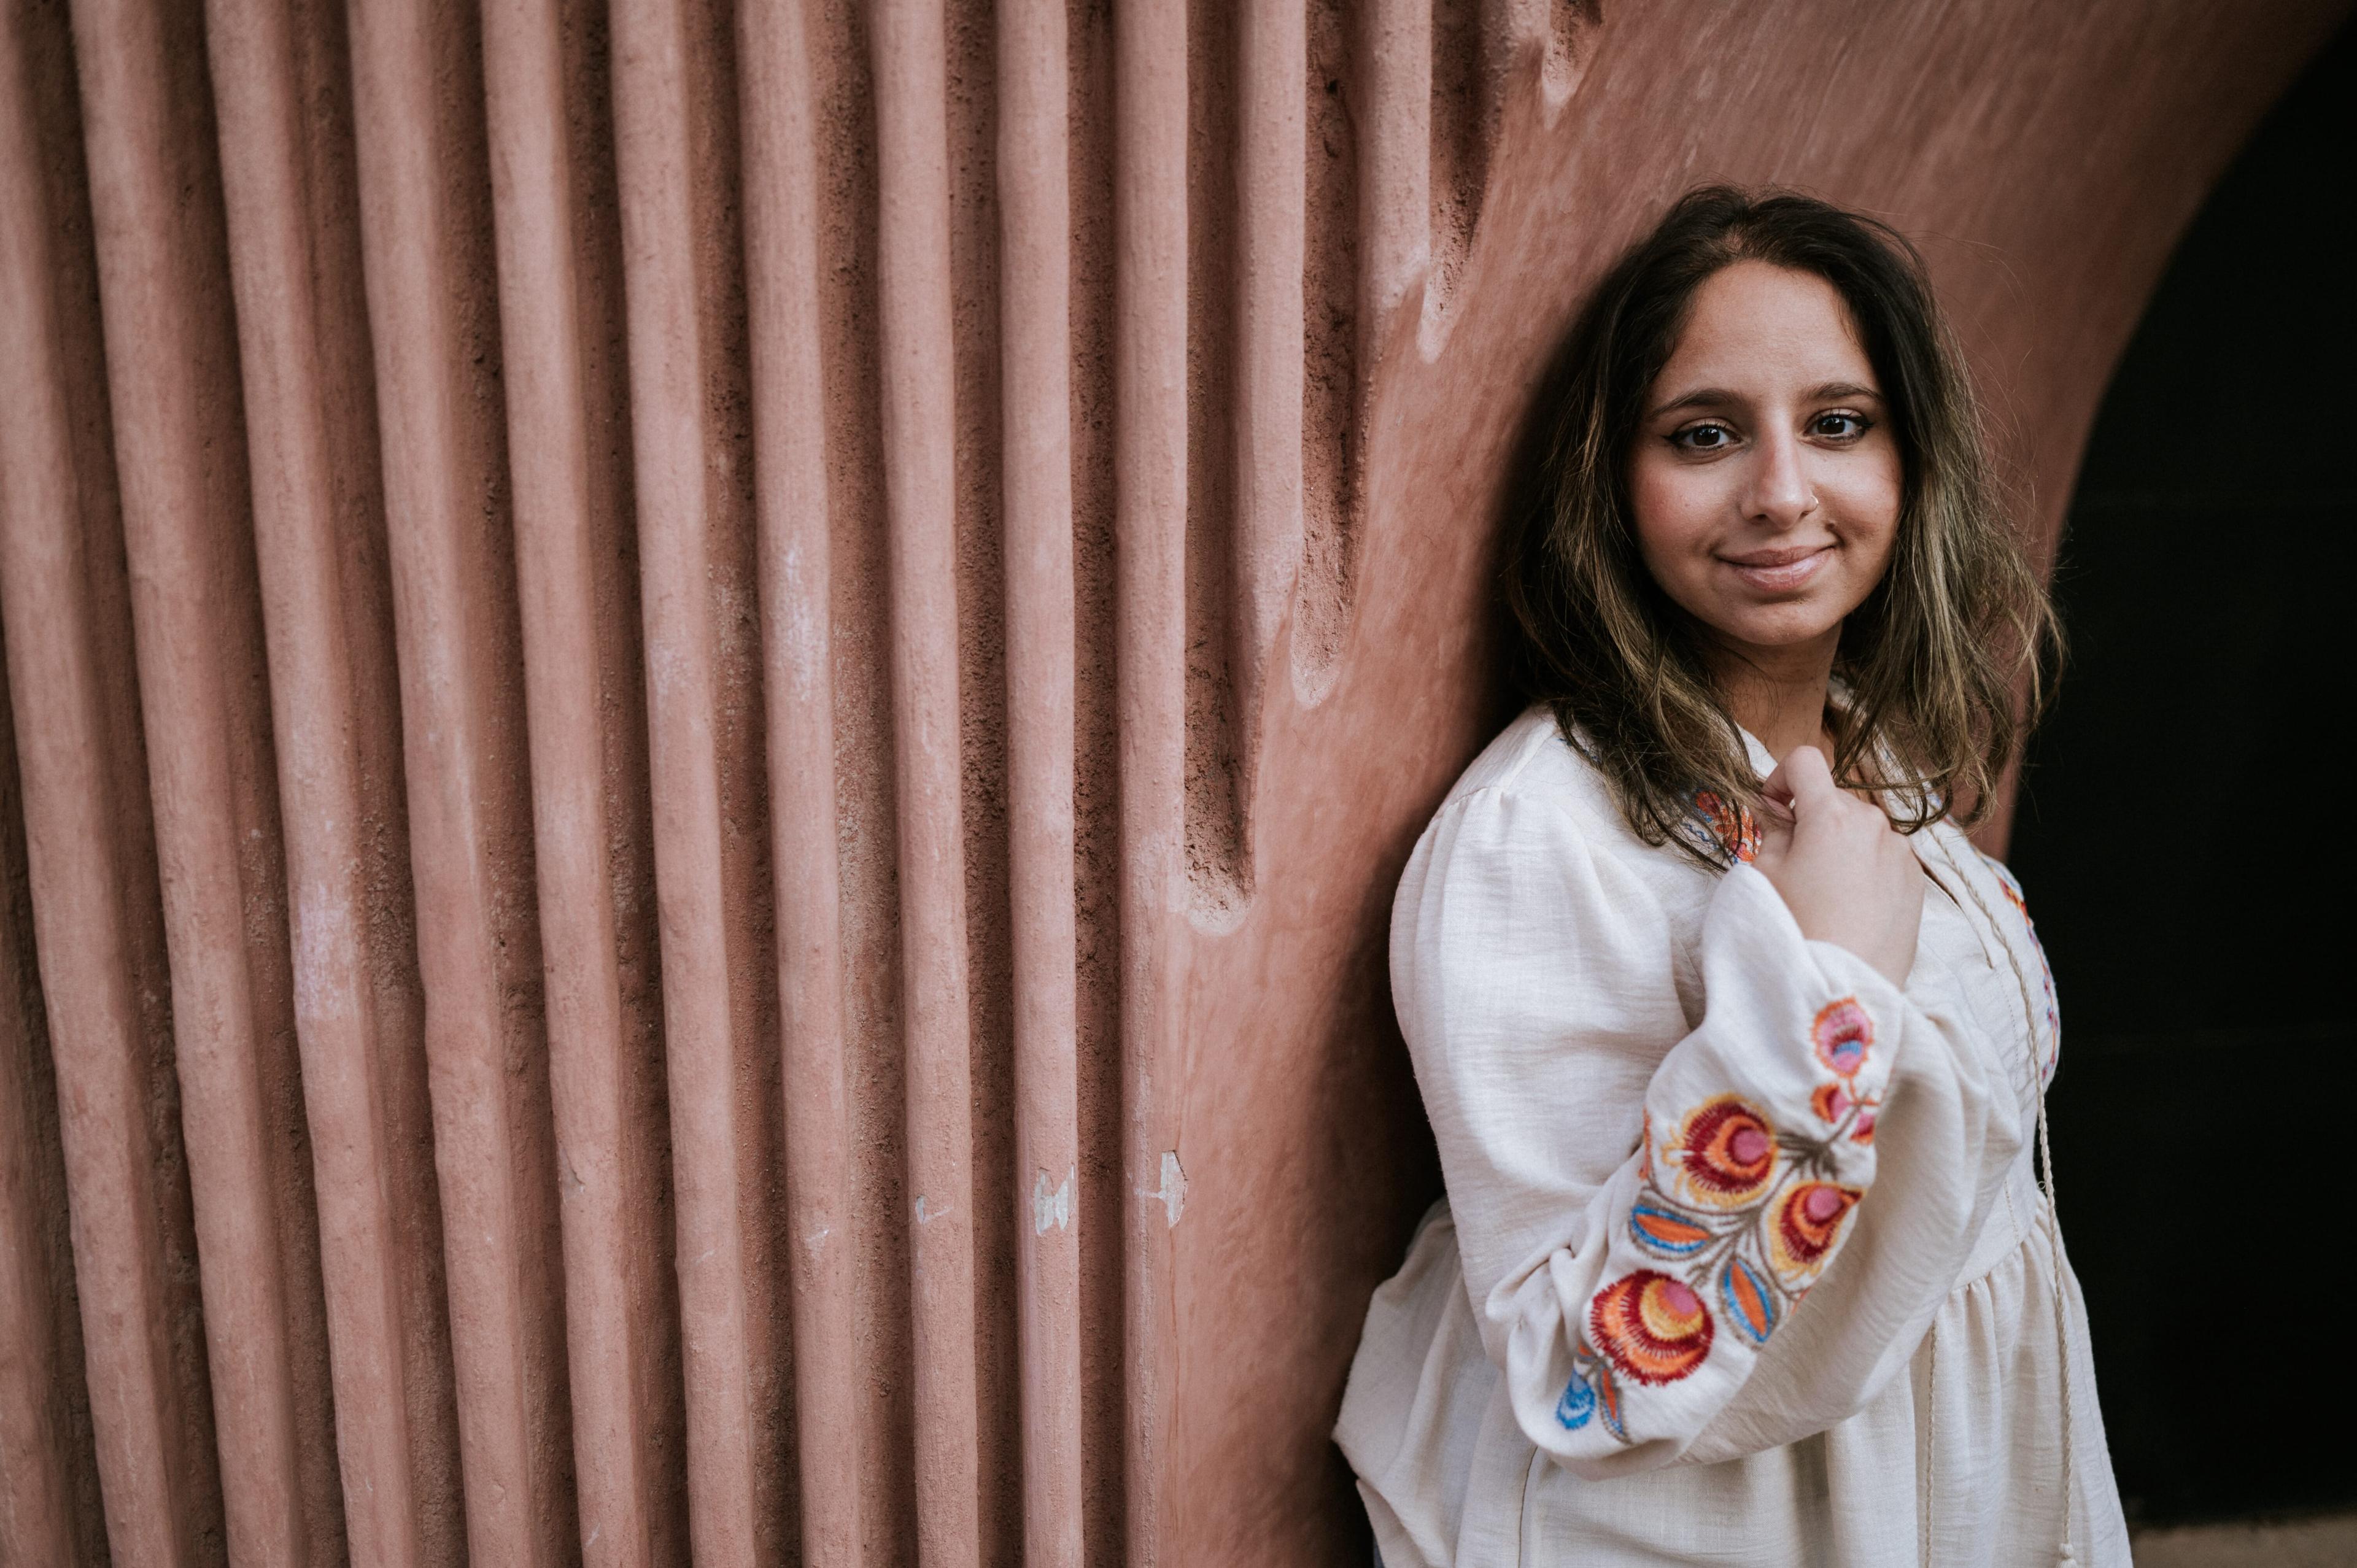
pixel 810 1242
pixel 927 1215
pixel 323 952
pixel 1052 1208
pixel 1172 1193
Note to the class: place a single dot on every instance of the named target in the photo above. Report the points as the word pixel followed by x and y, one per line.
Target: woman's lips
pixel 1780 571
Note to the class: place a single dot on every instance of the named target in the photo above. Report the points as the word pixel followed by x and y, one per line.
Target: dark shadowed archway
pixel 2179 832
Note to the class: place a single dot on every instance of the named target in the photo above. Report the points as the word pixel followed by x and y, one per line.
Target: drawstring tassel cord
pixel 1931 1437
pixel 2065 1557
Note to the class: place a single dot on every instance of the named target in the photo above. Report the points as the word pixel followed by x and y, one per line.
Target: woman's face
pixel 1766 483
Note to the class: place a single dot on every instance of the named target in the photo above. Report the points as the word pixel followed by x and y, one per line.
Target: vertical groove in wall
pixel 1570 44
pixel 693 590
pixel 1462 123
pixel 172 376
pixel 425 228
pixel 610 1193
pixel 908 52
pixel 1553 39
pixel 1034 157
pixel 319 548
pixel 613 550
pixel 1103 1199
pixel 1267 412
pixel 1215 593
pixel 1394 58
pixel 791 500
pixel 976 326
pixel 866 830
pixel 1332 454
pixel 1151 470
pixel 63 612
pixel 44 1410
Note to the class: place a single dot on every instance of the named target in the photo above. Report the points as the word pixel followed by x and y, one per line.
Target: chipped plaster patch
pixel 1172 1193
pixel 1052 1208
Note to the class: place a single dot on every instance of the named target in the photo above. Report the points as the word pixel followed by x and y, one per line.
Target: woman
pixel 1713 1006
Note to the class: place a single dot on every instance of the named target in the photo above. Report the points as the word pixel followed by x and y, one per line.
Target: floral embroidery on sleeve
pixel 1730 829
pixel 1743 1214
pixel 1591 1394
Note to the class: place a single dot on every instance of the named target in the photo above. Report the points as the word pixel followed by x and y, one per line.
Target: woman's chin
pixel 1776 628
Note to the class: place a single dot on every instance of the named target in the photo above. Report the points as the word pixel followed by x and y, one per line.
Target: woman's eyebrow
pixel 1700 397
pixel 1837 392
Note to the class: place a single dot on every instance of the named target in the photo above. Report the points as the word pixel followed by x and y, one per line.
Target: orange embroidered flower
pixel 1832 1101
pixel 1727 1151
pixel 1650 1326
pixel 1807 1223
pixel 1731 825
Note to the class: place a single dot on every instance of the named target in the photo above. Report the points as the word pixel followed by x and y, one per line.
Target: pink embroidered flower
pixel 1808 1221
pixel 1841 1034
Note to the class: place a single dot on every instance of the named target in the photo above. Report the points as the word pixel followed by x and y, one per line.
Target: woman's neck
pixel 1778 693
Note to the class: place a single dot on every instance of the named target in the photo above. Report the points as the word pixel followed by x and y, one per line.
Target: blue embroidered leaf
pixel 1667 1233
pixel 1577 1405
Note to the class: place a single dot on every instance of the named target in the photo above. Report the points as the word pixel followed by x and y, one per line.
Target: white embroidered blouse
pixel 1665 1118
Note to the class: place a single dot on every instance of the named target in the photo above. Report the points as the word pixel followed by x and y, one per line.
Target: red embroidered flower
pixel 1832 1101
pixel 1650 1326
pixel 1841 1034
pixel 1808 1221
pixel 1727 1150
pixel 1731 825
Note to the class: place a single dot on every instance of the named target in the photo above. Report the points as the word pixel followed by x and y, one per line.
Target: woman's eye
pixel 1702 438
pixel 1840 427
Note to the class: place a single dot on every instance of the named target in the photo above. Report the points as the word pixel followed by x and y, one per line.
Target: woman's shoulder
pixel 1532 763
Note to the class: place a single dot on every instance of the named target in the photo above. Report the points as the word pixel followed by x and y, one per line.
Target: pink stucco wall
pixel 712 712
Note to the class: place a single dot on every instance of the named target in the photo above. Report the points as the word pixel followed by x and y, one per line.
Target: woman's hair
pixel 1936 657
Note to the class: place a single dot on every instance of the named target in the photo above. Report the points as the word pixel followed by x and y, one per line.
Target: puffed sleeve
pixel 1643 1201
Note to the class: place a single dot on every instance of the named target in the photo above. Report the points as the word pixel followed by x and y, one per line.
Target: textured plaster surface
pixel 713 713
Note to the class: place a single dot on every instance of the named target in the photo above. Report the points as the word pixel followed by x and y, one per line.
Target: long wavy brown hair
pixel 1945 663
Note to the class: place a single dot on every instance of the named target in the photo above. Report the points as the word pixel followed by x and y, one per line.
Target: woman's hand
pixel 1848 875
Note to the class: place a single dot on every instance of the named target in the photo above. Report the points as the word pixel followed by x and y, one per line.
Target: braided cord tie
pixel 2065 1557
pixel 1931 1440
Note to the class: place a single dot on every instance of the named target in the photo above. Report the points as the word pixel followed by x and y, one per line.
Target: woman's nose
pixel 1778 492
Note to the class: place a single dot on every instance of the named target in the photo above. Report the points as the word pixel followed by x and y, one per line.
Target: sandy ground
pixel 2330 1542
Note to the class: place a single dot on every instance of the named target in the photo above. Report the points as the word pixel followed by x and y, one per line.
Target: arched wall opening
pixel 2177 832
